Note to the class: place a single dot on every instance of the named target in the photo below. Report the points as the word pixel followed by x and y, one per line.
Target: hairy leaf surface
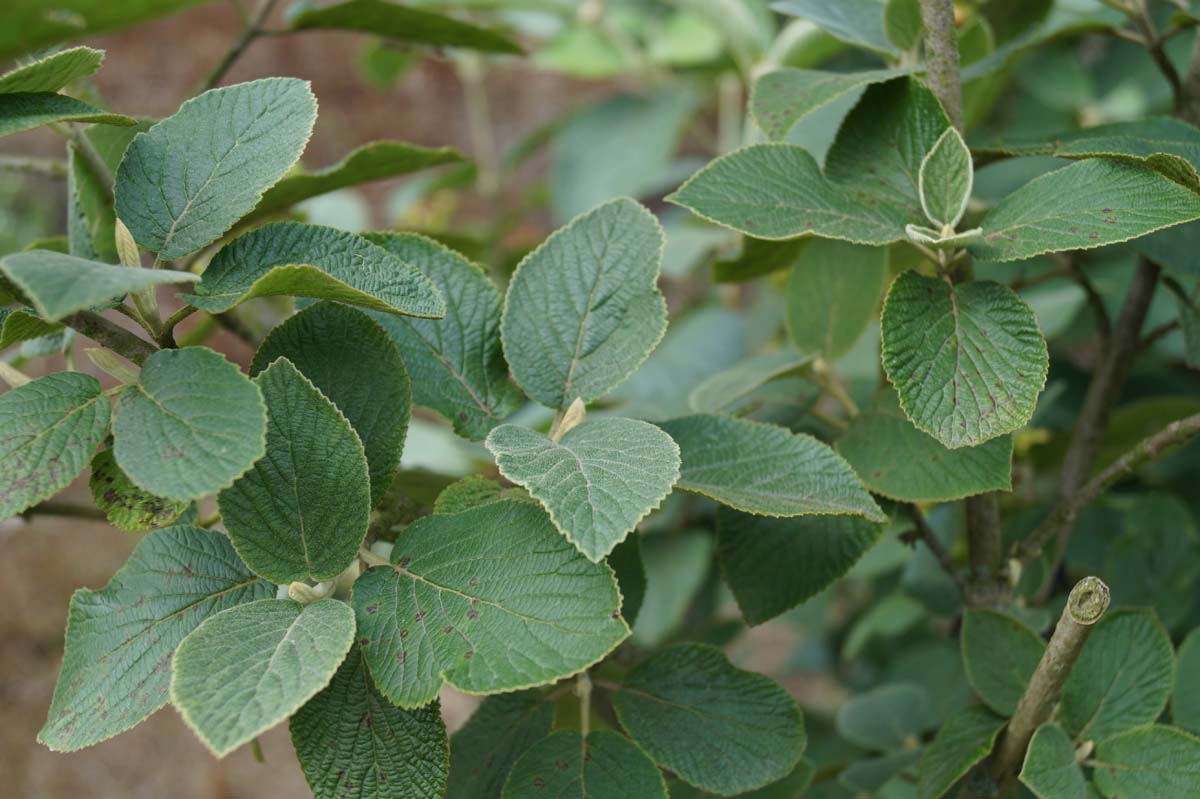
pixel 605 766
pixel 1154 760
pixel 999 655
pixel 126 505
pixel 963 741
pixel 27 110
pixel 1050 770
pixel 501 729
pixel 782 98
pixel 52 72
pixel 832 294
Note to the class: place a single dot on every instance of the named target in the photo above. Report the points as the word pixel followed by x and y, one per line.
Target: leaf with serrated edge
pixel 301 512
pixel 999 656
pixel 1050 770
pixel 716 726
pixel 783 97
pixel 1150 761
pixel 188 179
pixel 963 741
pixel 350 737
pixel 605 766
pixel 832 294
pixel 301 260
pixel 21 324
pixel 127 506
pixel 501 729
pixel 191 426
pixel 52 72
pixel 248 668
pixel 597 482
pixel 945 180
pixel 967 361
pixel 120 639
pixel 49 429
pixel 764 469
pixel 583 310
pixel 27 110
pixel 490 599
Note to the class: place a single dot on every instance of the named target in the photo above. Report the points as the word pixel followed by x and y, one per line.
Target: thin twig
pixel 1093 297
pixel 987 582
pixel 941 57
pixel 115 337
pixel 925 533
pixel 1154 46
pixel 166 337
pixel 249 33
pixel 1165 329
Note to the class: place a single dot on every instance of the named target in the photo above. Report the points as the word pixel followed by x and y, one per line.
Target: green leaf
pixel 583 311
pixel 188 179
pixel 674 568
pixel 945 180
pixel 395 21
pixel 372 161
pixel 474 491
pixel 856 22
pixel 886 718
pixel 758 257
pixel 630 571
pixel 832 294
pixel 350 737
pixel 900 462
pixel 120 639
pixel 782 98
pixel 764 469
pixel 28 110
pixel 470 589
pixel 716 726
pixel 1185 701
pixel 19 324
pixel 49 429
pixel 52 72
pixel 58 285
pixel 1121 680
pixel 597 482
pixel 243 671
pixel 999 655
pixel 90 219
pixel 1157 761
pixel 793 786
pixel 772 565
pixel 301 260
pixel 868 775
pixel 724 390
pixel 456 362
pixel 28 26
pixel 191 426
pixel 126 505
pixel 302 511
pixel 351 361
pixel 501 729
pixel 902 23
pixel 966 739
pixel 1050 770
pixel 968 361
pixel 1087 204
pixel 606 766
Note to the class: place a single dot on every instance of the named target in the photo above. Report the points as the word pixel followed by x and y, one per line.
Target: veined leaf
pixel 1155 760
pixel 501 729
pixel 722 391
pixel 311 261
pixel 350 737
pixel 1185 700
pixel 963 741
pixel 945 180
pixel 999 655
pixel 471 492
pixel 49 429
pixel 28 26
pixel 456 362
pixel 127 506
pixel 968 362
pixel 886 718
pixel 243 671
pixel 1050 770
pixel 394 21
pixel 832 294
pixel 27 110
pixel 782 98
pixel 301 512
pixel 188 179
pixel 790 787
pixel 19 324
pixel 856 22
pixel 58 285
pixel 605 766
pixel 764 469
pixel 597 482
pixel 583 311
pixel 490 599
pixel 52 72
pixel 120 639
pixel 717 727
pixel 191 426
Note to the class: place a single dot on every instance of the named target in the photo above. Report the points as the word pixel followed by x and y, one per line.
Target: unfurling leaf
pixel 945 180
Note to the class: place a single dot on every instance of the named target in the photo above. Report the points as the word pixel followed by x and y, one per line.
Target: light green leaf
pixel 394 21
pixel 967 361
pixel 188 179
pixel 501 729
pixel 772 565
pixel 856 22
pixel 832 294
pixel 722 391
pixel 597 482
pixel 311 261
pixel 351 361
pixel 966 739
pixel 58 285
pixel 1157 761
pixel 28 110
pixel 1050 770
pixel 475 490
pixel 1185 701
pixel 49 429
pixel 1122 679
pixel 243 671
pixel 886 718
pixel 606 766
pixel 782 98
pixel 350 737
pixel 28 26
pixel 126 505
pixel 716 726
pixel 945 180
pixel 999 655
pixel 764 469
pixel 52 72
pixel 902 23
pixel 583 311
pixel 120 639
pixel 19 324
pixel 191 426
pixel 1087 204
pixel 302 511
pixel 490 599
pixel 456 362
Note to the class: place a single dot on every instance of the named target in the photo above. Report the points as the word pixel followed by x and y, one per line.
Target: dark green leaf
pixel 832 294
pixel 1050 770
pixel 1185 701
pixel 1000 655
pixel 966 739
pixel 501 729
pixel 126 505
pixel 395 21
pixel 28 110
pixel 886 718
pixel 1156 761
pixel 782 98
pixel 606 766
